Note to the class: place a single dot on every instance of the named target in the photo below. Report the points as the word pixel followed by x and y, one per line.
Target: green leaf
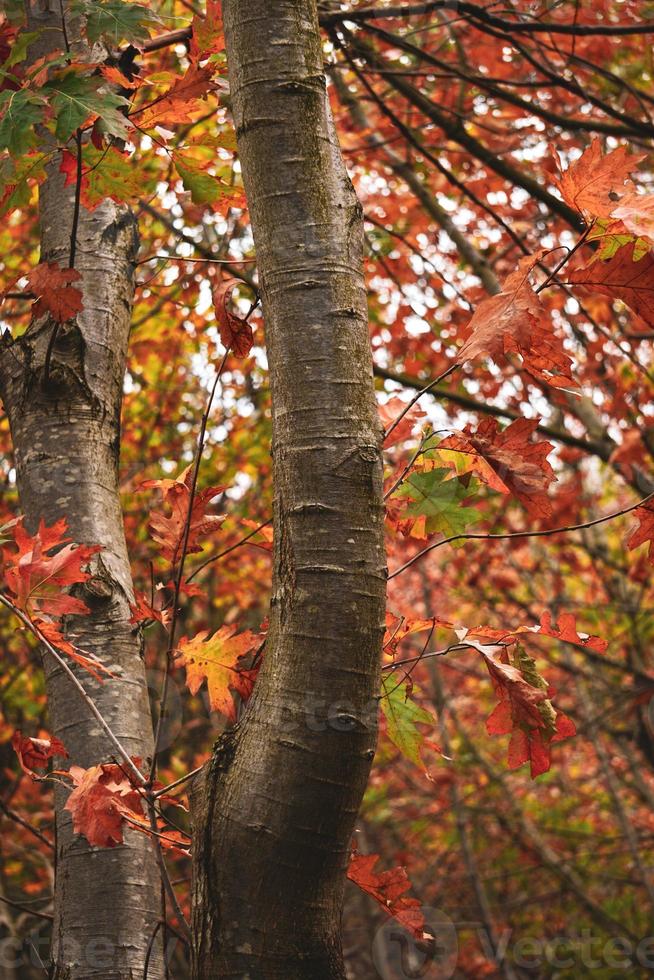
pixel 403 716
pixel 440 501
pixel 76 97
pixel 19 48
pixel 22 113
pixel 205 188
pixel 16 175
pixel 110 173
pixel 115 21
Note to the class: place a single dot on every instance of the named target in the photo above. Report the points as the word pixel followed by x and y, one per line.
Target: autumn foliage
pixel 505 174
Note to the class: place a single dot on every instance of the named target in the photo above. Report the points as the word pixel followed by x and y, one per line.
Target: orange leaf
pixel 216 661
pixel 593 183
pixel 180 102
pixel 208 36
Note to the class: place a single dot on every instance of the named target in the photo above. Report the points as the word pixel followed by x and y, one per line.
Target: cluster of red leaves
pixel 600 187
pixel 524 712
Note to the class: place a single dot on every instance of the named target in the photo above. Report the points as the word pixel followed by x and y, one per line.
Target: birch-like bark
pixel 66 436
pixel 277 808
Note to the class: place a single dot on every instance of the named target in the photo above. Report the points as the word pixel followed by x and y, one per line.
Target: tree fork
pixel 276 810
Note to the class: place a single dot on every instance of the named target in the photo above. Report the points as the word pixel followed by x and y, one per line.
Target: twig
pixel 180 570
pixel 519 534
pixel 16 817
pixel 26 621
pixel 23 908
pixel 227 551
pixel 419 394
pixel 178 782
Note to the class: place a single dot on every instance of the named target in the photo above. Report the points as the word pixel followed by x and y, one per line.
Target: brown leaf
pixel 515 321
pixel 235 332
pixel 594 183
pixel 508 461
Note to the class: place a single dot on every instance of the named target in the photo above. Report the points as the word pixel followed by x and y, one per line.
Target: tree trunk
pixel 281 793
pixel 66 435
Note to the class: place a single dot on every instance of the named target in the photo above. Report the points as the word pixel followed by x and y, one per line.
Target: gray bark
pixel 66 436
pixel 276 810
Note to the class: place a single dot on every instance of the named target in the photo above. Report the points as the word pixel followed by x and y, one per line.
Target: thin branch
pixel 27 622
pixel 180 570
pixel 23 908
pixel 520 534
pixel 16 817
pixel 227 551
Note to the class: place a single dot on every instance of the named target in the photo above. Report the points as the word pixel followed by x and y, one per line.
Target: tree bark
pixel 280 796
pixel 66 435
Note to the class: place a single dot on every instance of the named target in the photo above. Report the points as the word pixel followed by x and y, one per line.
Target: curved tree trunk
pixel 282 791
pixel 66 434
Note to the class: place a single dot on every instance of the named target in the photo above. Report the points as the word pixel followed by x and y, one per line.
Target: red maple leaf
pixel 235 332
pixel 645 530
pixel 35 579
pixel 515 321
pixel 622 277
pixel 524 712
pixel 35 576
pixel 180 101
pixel 101 800
pixel 54 294
pixel 143 611
pixel 389 889
pixel 508 461
pixel 169 531
pixel 33 753
pixel 565 629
